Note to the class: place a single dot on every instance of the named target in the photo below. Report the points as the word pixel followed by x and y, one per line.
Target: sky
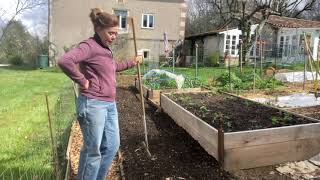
pixel 35 20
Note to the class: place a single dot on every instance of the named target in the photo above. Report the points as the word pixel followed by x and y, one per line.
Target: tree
pixel 18 42
pixel 314 13
pixel 248 12
pixel 20 7
pixel 199 17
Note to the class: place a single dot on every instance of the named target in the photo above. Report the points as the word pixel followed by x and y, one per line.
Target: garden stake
pixel 254 71
pixel 260 54
pixel 221 143
pixel 240 56
pixel 197 48
pixel 55 155
pixel 145 143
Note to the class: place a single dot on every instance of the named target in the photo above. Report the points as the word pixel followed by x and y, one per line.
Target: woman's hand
pixel 137 59
pixel 86 85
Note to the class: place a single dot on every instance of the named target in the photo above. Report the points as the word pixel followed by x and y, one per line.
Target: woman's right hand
pixel 86 85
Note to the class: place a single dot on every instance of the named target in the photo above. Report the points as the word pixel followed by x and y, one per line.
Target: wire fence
pixel 257 72
pixel 62 114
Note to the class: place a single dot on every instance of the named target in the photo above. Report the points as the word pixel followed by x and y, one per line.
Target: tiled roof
pixel 274 20
pixel 207 33
pixel 286 22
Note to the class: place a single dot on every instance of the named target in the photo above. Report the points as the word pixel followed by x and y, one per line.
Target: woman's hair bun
pixel 95 13
pixel 102 19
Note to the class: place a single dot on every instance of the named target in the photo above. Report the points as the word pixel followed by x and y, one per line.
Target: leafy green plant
pixel 204 108
pixel 213 59
pixel 235 81
pixel 185 99
pixel 287 117
pixel 217 116
pixel 229 124
pixel 275 120
pixel 191 82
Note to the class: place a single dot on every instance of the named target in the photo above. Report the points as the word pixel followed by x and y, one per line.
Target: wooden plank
pixel 202 132
pixel 270 154
pixel 271 135
pixel 155 103
pixel 155 94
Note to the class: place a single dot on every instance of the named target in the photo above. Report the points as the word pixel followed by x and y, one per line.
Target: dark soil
pixel 236 114
pixel 176 154
pixel 313 111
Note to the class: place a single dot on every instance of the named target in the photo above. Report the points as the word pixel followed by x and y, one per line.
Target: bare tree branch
pixel 20 7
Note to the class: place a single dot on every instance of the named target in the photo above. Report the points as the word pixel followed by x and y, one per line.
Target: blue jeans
pixel 99 125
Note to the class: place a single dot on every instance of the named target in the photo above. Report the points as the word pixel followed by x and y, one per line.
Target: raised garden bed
pixel 255 134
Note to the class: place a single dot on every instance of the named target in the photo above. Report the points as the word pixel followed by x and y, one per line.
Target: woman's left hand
pixel 137 59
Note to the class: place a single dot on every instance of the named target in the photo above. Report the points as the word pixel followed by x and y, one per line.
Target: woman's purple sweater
pixel 96 65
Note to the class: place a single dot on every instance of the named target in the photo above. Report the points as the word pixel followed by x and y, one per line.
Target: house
pixel 282 38
pixel 69 24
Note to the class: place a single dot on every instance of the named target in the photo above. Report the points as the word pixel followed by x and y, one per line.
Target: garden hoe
pixel 145 143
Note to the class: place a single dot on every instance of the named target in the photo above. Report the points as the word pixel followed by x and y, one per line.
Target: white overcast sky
pixel 35 20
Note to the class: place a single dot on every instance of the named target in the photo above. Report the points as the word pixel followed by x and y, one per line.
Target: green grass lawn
pixel 25 148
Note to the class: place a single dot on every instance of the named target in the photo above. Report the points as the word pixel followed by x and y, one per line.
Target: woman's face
pixel 108 35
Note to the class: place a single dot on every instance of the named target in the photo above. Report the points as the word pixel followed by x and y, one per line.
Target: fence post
pixel 197 48
pixel 54 148
pixel 305 66
pixel 240 55
pixel 260 53
pixel 221 144
pixel 173 58
pixel 255 66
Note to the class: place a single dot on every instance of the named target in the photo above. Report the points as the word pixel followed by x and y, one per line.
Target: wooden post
pixel 173 58
pixel 304 71
pixel 255 66
pixel 260 54
pixel 197 48
pixel 229 70
pixel 221 144
pixel 240 56
pixel 54 148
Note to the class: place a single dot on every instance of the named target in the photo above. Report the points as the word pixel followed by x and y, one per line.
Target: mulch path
pixel 114 172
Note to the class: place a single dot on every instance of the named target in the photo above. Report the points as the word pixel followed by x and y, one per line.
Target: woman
pixel 96 106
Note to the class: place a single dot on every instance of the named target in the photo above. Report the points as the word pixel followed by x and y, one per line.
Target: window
pixel 231 45
pixel 120 1
pixel 122 16
pixel 281 46
pixel 146 54
pixel 147 20
pixel 286 46
pixel 228 44
pixel 294 44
